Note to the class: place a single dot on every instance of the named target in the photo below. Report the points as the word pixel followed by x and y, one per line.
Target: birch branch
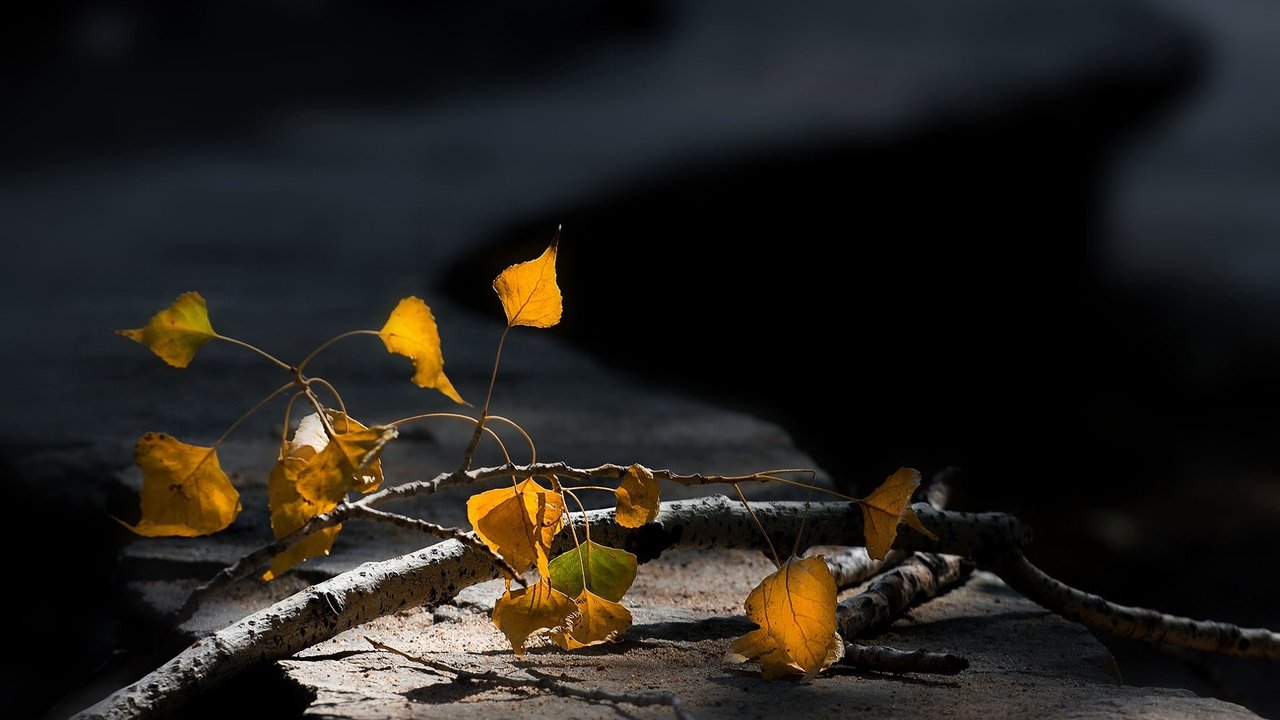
pixel 921 577
pixel 883 659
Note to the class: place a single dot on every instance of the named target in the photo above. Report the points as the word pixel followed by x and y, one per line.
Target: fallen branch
pixel 879 658
pixel 919 578
pixel 543 681
pixel 1149 626
pixel 435 574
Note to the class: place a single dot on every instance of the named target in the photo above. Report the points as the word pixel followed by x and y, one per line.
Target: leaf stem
pixel 253 348
pixel 484 411
pixel 325 345
pixel 776 561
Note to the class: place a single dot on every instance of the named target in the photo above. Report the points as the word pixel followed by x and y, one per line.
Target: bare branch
pixel 879 658
pixel 919 578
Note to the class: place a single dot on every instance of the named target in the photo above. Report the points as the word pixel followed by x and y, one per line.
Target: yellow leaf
pixel 184 491
pixel 349 463
pixel 411 331
pixel 795 607
pixel 884 507
pixel 518 522
pixel 637 497
pixel 290 511
pixel 520 613
pixel 528 291
pixel 597 620
pixel 176 332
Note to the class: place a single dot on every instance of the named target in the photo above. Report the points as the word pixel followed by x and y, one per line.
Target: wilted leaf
pixel 520 613
pixel 610 571
pixel 349 463
pixel 184 491
pixel 411 331
pixel 290 511
pixel 637 497
pixel 529 293
pixel 177 332
pixel 597 620
pixel 795 607
pixel 518 522
pixel 884 507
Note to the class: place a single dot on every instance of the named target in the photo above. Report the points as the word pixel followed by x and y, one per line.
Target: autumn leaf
pixel 795 608
pixel 184 490
pixel 177 332
pixel 610 571
pixel 528 291
pixel 884 507
pixel 596 620
pixel 637 497
pixel 290 511
pixel 348 463
pixel 411 331
pixel 520 613
pixel 518 522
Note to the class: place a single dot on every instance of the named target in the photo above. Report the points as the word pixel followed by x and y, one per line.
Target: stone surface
pixel 687 609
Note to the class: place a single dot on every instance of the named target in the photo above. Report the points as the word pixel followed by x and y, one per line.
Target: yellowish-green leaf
pixel 349 463
pixel 610 571
pixel 795 607
pixel 597 620
pixel 884 507
pixel 411 331
pixel 637 497
pixel 529 293
pixel 184 490
pixel 520 613
pixel 518 522
pixel 177 332
pixel 290 511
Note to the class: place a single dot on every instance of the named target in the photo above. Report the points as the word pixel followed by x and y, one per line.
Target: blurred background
pixel 1034 241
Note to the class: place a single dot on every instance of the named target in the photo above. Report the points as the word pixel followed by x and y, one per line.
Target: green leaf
pixel 610 571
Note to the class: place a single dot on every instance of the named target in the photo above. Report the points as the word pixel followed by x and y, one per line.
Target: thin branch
pixel 1135 623
pixel 543 681
pixel 878 658
pixel 362 512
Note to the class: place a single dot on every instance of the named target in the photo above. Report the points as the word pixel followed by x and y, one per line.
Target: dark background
pixel 1034 242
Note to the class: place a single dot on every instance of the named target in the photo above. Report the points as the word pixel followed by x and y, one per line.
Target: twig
pixel 919 578
pixel 363 512
pixel 543 681
pixel 1149 626
pixel 879 658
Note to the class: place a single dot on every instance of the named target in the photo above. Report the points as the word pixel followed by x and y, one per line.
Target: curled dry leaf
pixel 795 607
pixel 290 511
pixel 184 490
pixel 885 506
pixel 637 496
pixel 597 620
pixel 518 522
pixel 411 331
pixel 520 613
pixel 609 571
pixel 178 331
pixel 528 291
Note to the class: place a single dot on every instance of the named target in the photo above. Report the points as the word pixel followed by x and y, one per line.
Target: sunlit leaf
pixel 411 331
pixel 177 332
pixel 290 511
pixel 529 293
pixel 349 463
pixel 184 490
pixel 597 620
pixel 795 607
pixel 518 522
pixel 884 507
pixel 610 571
pixel 637 497
pixel 520 613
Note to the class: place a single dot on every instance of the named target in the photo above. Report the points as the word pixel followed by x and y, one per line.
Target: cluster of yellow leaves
pixel 315 473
